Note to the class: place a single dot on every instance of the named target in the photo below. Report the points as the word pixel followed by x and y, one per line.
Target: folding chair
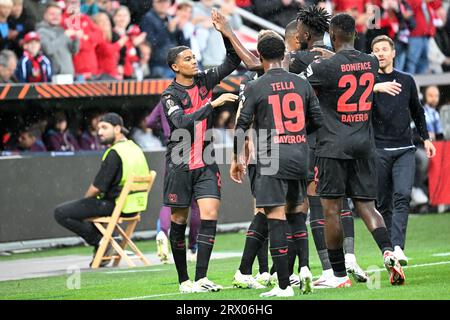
pixel 107 225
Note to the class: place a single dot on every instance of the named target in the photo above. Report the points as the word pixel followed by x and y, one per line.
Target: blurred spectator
pixel 138 8
pixel 436 58
pixel 121 19
pixel 396 21
pixel 157 120
pixel 30 140
pixel 431 114
pixel 108 6
pixel 5 11
pixel 33 11
pixel 58 45
pixel 58 137
pixel 142 68
pixel 18 27
pixel 417 56
pixel 85 61
pixel 245 4
pixel 280 12
pixel 358 10
pixel 108 52
pixel 130 55
pixel 89 138
pixel 8 65
pixel 33 66
pixel 209 39
pixel 183 16
pixel 163 34
pixel 90 7
pixel 143 136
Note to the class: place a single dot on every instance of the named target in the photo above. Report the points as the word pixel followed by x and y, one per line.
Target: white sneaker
pixel 354 269
pixel 274 279
pixel 294 280
pixel 306 284
pixel 162 247
pixel 334 282
pixel 192 256
pixel 263 278
pixel 326 274
pixel 205 285
pixel 418 197
pixel 245 281
pixel 277 292
pixel 186 286
pixel 400 255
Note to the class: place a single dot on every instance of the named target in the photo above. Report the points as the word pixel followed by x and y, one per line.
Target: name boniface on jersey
pixel 359 66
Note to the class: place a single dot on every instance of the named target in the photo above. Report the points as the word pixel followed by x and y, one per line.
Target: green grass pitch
pixel 427 276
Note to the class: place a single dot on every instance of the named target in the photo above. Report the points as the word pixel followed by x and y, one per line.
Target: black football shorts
pixel 354 178
pixel 181 186
pixel 275 192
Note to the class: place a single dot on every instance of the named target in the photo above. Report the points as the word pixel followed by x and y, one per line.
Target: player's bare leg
pixel 178 244
pixel 375 223
pixel 276 218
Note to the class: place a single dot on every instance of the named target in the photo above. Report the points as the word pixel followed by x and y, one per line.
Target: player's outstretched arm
pixel 223 26
pixel 181 120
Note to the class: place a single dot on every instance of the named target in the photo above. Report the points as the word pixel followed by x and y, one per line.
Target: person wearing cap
pixel 33 66
pixel 122 159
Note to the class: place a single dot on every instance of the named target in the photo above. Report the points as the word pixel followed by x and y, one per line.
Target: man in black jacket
pixel 395 149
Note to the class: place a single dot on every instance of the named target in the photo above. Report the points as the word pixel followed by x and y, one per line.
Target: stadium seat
pixel 107 225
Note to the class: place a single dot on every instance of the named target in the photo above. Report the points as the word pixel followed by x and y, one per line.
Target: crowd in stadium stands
pixel 114 40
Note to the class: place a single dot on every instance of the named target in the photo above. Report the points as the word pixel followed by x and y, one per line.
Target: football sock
pixel 382 239
pixel 254 242
pixel 317 224
pixel 278 250
pixel 337 261
pixel 263 259
pixel 297 222
pixel 178 245
pixel 194 226
pixel 348 227
pixel 292 250
pixel 205 241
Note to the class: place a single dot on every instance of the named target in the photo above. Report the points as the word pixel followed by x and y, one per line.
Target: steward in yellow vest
pixel 121 159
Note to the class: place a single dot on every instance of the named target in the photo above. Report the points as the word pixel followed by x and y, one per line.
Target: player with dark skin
pixel 353 158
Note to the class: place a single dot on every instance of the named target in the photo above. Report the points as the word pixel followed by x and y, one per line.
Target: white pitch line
pixel 444 254
pixel 226 288
pixel 161 295
pixel 134 271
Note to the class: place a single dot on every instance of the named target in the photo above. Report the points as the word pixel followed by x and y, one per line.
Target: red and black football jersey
pixel 280 105
pixel 189 113
pixel 344 85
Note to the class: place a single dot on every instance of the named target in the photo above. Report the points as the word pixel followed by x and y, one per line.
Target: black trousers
pixel 72 215
pixel 395 181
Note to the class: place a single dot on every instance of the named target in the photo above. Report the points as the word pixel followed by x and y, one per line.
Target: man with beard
pixel 121 159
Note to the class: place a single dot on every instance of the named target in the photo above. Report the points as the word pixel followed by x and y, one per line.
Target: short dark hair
pixel 345 24
pixel 381 39
pixel 271 47
pixel 291 28
pixel 173 53
pixel 316 19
